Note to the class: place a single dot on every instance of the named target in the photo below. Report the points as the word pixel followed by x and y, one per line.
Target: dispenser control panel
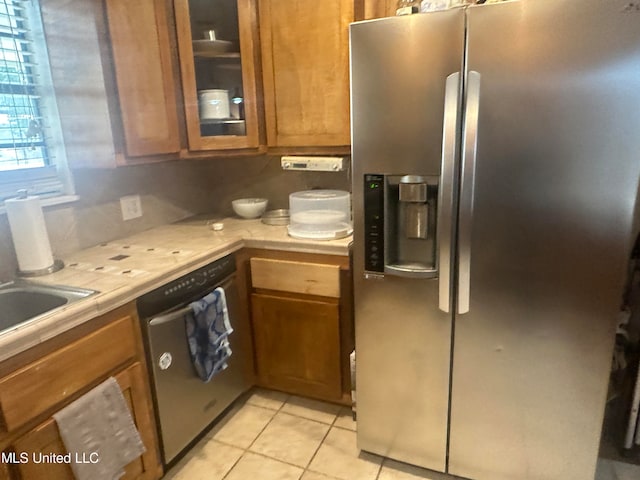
pixel 374 223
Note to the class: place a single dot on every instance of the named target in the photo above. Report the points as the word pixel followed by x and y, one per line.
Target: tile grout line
pixel 332 426
pixel 379 466
pixel 313 420
pixel 306 468
pixel 274 459
pixel 280 410
pixel 267 424
pixel 246 450
pixel 380 469
pixel 331 477
pixel 233 466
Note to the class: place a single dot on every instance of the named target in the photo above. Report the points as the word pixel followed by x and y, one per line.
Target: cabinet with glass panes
pixel 217 50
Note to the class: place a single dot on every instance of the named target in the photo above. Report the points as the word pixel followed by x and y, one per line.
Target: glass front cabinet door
pixel 217 45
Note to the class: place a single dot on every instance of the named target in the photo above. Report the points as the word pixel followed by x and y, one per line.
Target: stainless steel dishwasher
pixel 184 404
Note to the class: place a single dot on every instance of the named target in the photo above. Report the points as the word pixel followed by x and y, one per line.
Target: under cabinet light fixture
pixel 316 164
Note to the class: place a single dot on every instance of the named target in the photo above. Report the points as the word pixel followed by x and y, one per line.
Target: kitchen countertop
pixel 122 270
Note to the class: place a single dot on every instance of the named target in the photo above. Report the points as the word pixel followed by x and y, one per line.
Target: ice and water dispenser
pixel 400 224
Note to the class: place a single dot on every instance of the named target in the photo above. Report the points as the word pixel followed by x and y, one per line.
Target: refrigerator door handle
pixel 445 202
pixel 467 181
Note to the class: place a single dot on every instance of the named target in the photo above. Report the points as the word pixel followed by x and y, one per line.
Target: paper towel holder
pixel 54 267
pixel 57 265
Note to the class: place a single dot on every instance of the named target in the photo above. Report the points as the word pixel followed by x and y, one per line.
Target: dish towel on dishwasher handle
pixel 98 426
pixel 208 328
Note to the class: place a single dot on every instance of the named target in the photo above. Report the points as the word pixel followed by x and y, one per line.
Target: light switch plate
pixel 131 207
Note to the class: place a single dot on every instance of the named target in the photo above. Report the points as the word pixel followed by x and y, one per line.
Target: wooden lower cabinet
pixel 45 438
pixel 4 470
pixel 297 345
pixel 49 381
pixel 42 380
pixel 299 313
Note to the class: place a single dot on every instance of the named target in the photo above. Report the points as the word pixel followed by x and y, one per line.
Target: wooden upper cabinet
pixel 229 119
pixel 305 55
pixel 379 8
pixel 144 77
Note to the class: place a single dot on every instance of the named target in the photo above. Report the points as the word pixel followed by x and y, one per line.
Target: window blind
pixel 25 161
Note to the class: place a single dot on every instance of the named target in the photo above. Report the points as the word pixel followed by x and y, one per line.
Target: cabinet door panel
pixel 4 471
pixel 46 439
pixel 297 344
pixel 132 383
pixel 229 69
pixel 43 439
pixel 305 51
pixel 142 57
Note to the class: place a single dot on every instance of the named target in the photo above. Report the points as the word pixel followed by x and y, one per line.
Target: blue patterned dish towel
pixel 208 329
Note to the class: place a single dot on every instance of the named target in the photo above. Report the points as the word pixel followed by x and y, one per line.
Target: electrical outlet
pixel 131 207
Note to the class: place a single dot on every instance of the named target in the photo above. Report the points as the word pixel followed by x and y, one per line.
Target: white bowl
pixel 249 207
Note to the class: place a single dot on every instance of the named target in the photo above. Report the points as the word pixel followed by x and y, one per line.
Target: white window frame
pixel 54 182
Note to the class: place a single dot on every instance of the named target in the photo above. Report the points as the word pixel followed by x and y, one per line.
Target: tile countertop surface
pixel 153 258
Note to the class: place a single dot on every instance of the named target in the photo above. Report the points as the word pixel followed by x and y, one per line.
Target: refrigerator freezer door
pixel 399 71
pixel 556 178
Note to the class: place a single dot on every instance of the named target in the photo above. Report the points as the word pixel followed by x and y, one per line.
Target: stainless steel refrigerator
pixel 496 157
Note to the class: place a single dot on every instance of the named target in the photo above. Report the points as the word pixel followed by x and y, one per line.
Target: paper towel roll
pixel 29 233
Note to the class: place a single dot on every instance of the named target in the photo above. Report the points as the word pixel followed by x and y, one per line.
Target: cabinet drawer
pixel 41 385
pixel 296 277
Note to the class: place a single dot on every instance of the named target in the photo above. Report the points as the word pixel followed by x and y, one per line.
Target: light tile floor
pixel 274 436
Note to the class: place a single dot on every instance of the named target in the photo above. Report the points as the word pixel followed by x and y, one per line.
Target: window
pixel 31 148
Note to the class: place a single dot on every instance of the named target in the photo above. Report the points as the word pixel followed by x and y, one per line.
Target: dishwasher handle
pixel 182 311
pixel 170 317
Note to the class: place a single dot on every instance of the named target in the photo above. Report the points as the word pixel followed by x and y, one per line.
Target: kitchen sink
pixel 22 301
